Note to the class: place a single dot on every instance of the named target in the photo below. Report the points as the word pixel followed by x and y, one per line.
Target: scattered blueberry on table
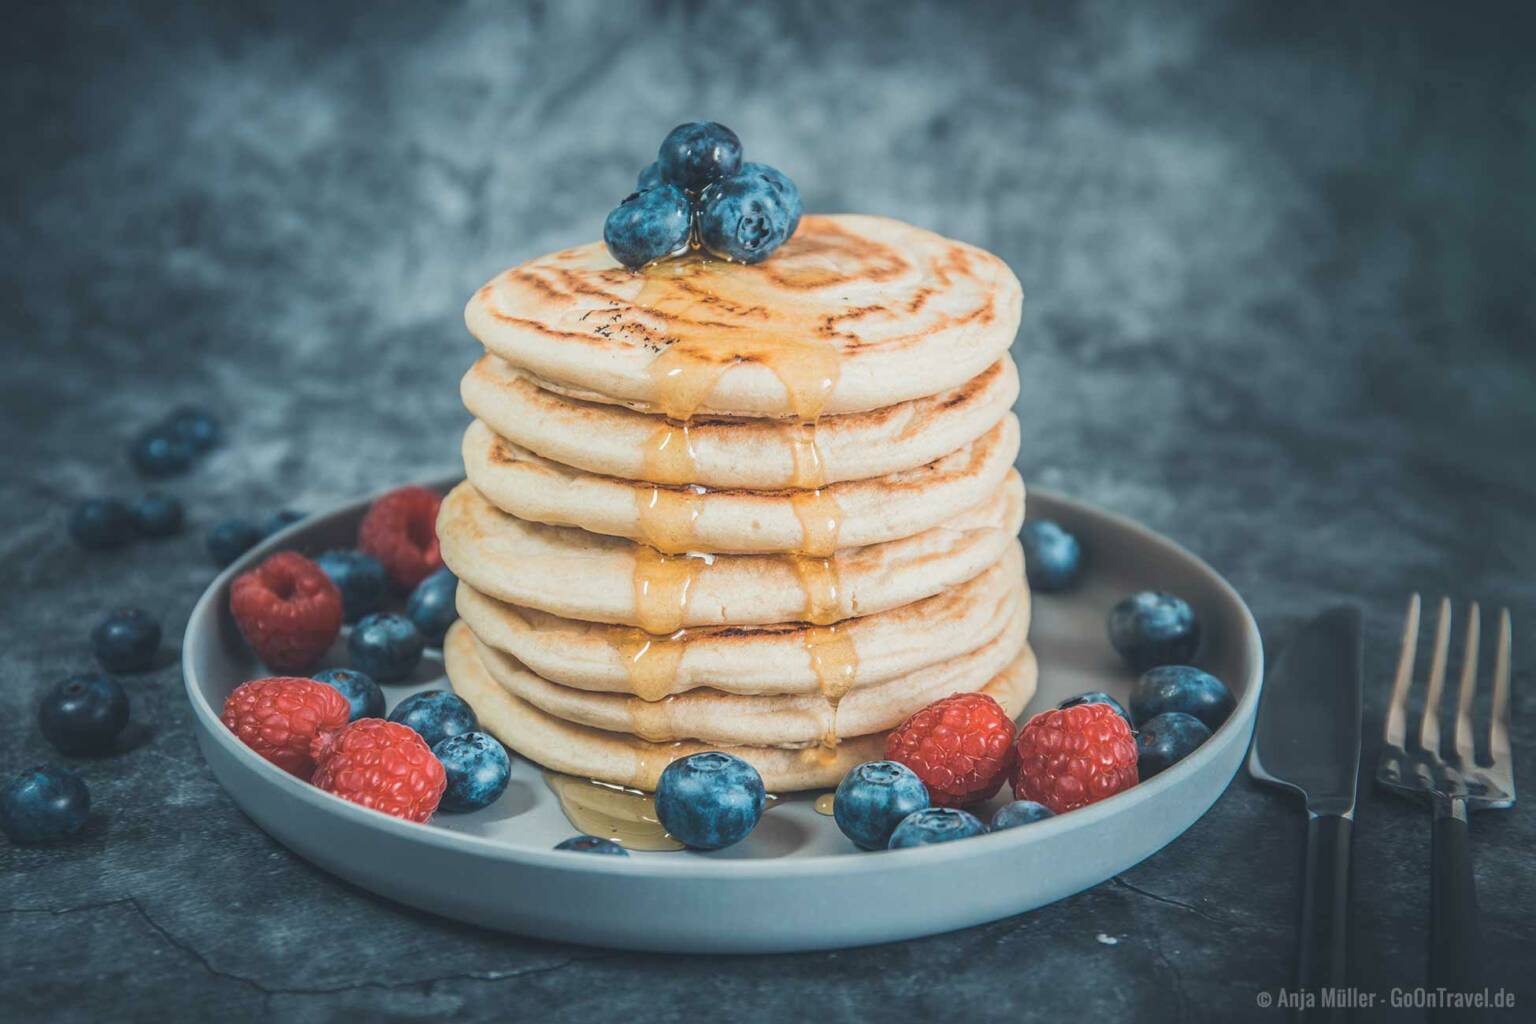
pixel 1181 688
pixel 386 645
pixel 1098 697
pixel 230 539
pixel 83 714
pixel 935 825
pixel 435 715
pixel 197 427
pixel 160 452
pixel 1019 812
pixel 126 640
pixel 98 524
pixel 1152 628
pixel 1052 556
pixel 158 515
pixel 592 844
pixel 279 520
pixel 361 578
pixel 362 693
pixel 872 800
pixel 1165 739
pixel 710 800
pixel 44 804
pixel 432 605
pixel 478 770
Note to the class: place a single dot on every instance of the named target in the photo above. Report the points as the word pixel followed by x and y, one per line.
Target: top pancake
pixel 854 313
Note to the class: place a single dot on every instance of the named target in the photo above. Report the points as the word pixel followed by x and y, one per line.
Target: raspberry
pixel 961 747
pixel 289 611
pixel 400 530
pixel 382 765
pixel 281 717
pixel 1074 756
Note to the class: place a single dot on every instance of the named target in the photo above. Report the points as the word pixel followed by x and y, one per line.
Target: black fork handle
pixel 1453 907
pixel 1322 958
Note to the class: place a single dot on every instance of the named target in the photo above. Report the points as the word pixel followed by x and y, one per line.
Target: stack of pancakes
pixel 767 509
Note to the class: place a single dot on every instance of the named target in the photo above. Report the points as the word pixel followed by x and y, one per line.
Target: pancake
pixel 853 313
pixel 579 575
pixel 757 454
pixel 625 760
pixel 734 521
pixel 765 721
pixel 757 660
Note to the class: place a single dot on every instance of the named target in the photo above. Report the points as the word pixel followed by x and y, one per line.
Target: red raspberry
pixel 1074 757
pixel 280 718
pixel 961 747
pixel 289 611
pixel 400 530
pixel 380 764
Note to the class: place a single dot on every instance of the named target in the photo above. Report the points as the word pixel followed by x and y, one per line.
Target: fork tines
pixel 1421 766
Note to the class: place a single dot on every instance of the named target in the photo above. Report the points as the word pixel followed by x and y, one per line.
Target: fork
pixel 1453 784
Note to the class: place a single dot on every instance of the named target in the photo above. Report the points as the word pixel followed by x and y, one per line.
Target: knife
pixel 1308 740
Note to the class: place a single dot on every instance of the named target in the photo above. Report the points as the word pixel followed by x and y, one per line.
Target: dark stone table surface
pixel 1278 264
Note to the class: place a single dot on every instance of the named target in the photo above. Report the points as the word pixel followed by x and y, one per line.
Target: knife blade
pixel 1307 739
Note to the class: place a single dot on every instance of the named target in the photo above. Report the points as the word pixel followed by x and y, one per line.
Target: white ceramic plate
pixel 795 883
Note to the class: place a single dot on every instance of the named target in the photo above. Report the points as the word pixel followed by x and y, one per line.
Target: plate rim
pixel 205 611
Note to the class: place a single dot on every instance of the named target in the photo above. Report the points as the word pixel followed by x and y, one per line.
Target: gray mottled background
pixel 1278 262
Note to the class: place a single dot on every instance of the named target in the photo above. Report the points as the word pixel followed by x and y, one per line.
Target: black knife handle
pixel 1322 956
pixel 1453 911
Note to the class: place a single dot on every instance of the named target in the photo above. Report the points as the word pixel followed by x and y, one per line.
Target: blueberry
pixel 361 578
pixel 1052 556
pixel 1165 739
pixel 196 427
pixel 432 607
pixel 1098 697
pixel 1152 628
pixel 157 515
pixel 1182 688
pixel 83 714
pixel 279 520
pixel 126 640
pixel 478 769
pixel 159 452
pixel 779 182
pixel 935 825
pixel 44 804
pixel 386 645
pixel 435 715
pixel 592 844
pixel 647 226
pixel 100 523
pixel 1020 812
pixel 709 801
pixel 695 154
pixel 649 178
pixel 873 799
pixel 743 219
pixel 362 692
pixel 230 539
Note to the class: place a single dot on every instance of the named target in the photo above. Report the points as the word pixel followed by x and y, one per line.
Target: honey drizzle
pixel 712 322
pixel 651 661
pixel 824 803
